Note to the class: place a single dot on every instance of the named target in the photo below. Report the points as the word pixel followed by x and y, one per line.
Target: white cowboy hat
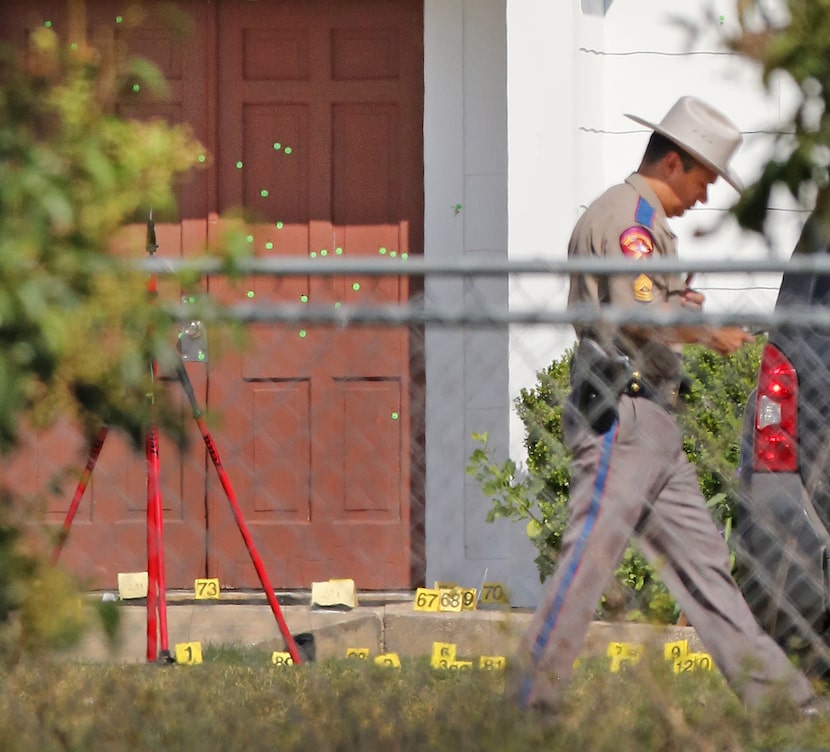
pixel 701 130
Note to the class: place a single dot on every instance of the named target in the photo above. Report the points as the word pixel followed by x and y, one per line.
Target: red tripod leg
pixel 249 542
pixel 161 578
pixel 240 520
pixel 157 585
pixel 152 544
pixel 94 453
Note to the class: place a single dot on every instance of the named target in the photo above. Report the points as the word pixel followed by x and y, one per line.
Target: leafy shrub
pixel 77 326
pixel 538 495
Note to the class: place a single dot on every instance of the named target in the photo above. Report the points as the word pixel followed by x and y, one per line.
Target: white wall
pixel 467 369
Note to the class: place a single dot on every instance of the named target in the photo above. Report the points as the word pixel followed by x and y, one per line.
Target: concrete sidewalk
pixel 385 627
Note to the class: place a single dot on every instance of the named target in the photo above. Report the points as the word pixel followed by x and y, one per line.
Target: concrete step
pixel 392 627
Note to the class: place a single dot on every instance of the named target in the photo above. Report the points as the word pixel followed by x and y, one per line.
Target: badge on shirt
pixel 636 242
pixel 643 289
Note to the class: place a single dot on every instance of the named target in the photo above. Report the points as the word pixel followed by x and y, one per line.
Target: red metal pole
pixel 249 542
pixel 240 520
pixel 152 546
pixel 94 453
pixel 156 590
pixel 161 578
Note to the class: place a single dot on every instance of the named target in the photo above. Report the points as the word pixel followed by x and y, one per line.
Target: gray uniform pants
pixel 636 481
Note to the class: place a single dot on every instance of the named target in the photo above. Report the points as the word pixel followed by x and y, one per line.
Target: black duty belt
pixel 666 393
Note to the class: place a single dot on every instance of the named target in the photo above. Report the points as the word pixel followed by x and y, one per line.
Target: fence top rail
pixel 417 266
pixel 417 314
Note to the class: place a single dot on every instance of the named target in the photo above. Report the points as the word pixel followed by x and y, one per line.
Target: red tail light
pixel 776 414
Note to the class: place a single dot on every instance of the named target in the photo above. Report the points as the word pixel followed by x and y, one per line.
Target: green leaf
pixel 534 529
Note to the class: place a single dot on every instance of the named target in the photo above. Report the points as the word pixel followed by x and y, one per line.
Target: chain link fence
pixel 371 439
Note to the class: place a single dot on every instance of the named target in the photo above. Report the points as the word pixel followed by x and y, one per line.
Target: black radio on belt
pixel 598 378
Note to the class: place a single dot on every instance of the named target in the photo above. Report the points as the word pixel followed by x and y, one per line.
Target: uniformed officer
pixel 633 479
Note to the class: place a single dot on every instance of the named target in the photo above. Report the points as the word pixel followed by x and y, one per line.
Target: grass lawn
pixel 237 700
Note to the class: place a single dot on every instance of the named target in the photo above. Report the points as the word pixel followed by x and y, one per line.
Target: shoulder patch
pixel 636 242
pixel 645 213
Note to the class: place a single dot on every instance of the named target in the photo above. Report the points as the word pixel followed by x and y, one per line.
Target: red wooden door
pixel 312 110
pixel 109 533
pixel 320 139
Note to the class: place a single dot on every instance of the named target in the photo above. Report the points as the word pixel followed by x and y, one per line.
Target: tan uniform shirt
pixel 627 221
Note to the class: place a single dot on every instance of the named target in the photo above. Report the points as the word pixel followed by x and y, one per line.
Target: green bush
pixel 538 494
pixel 78 329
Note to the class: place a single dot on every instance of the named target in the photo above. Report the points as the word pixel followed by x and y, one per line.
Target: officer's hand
pixel 693 299
pixel 728 339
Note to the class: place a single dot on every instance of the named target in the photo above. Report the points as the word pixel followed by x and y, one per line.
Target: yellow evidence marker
pixel 623 654
pixel 673 651
pixel 450 600
pixel 427 599
pixel 132 585
pixel 188 653
pixel 388 659
pixel 494 594
pixel 469 598
pixel 492 662
pixel 339 592
pixel 206 588
pixel 443 654
pixel 282 658
pixel 694 662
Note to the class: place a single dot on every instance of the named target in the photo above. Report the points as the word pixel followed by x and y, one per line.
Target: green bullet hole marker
pixel 280 225
pixel 313 254
pixel 250 238
pixel 47 24
pixel 393 254
pixel 337 304
pixel 239 165
pixel 338 251
pixel 303 333
pixel 269 245
pixel 74 46
pixel 277 146
pixel 382 251
pixel 263 193
pixel 394 415
pixel 191 299
pixel 304 298
pixel 201 356
pixel 202 158
pixel 250 293
pixel 288 150
pixel 324 252
pixel 136 88
pixel 356 286
pixel 404 256
pixel 119 19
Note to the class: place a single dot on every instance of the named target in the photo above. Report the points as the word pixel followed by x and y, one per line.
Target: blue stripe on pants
pixel 549 624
